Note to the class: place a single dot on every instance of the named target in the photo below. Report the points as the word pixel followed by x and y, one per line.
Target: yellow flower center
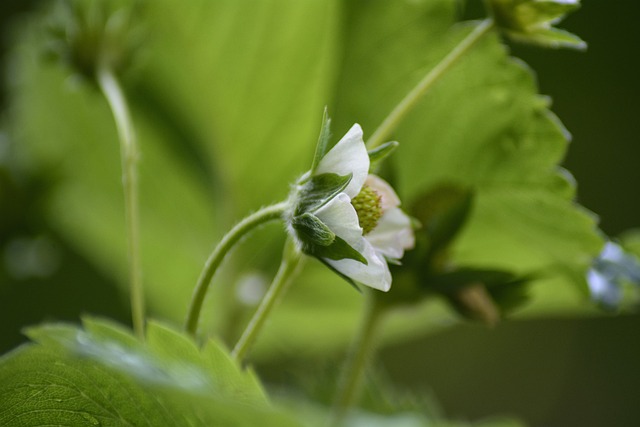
pixel 368 207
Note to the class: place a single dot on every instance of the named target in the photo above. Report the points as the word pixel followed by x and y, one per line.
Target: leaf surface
pixel 102 375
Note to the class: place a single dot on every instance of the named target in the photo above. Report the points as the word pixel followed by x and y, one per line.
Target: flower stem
pixel 291 261
pixel 266 214
pixel 114 94
pixel 361 351
pixel 396 116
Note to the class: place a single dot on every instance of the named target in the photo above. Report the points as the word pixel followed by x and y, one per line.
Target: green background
pixel 562 371
pixel 551 372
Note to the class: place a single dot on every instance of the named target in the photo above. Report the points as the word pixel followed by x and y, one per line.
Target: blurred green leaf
pixel 102 375
pixel 226 91
pixel 483 127
pixel 240 86
pixel 382 404
pixel 253 83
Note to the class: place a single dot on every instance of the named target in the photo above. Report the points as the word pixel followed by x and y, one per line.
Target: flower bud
pixel 87 34
pixel 531 21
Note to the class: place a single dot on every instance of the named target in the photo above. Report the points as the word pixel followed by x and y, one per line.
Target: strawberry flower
pixel 348 219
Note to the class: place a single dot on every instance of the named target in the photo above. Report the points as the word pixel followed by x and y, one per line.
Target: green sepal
pixel 337 250
pixel 311 231
pixel 547 10
pixel 348 279
pixel 523 15
pixel 530 21
pixel 318 190
pixel 380 153
pixel 549 37
pixel 457 279
pixel 442 214
pixel 507 290
pixel 323 140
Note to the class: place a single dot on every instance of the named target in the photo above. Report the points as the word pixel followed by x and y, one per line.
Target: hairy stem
pixel 266 214
pixel 291 261
pixel 361 351
pixel 396 116
pixel 112 91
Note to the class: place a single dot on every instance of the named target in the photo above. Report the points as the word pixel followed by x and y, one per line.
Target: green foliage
pixel 102 375
pixel 483 127
pixel 227 123
pixel 185 205
pixel 225 101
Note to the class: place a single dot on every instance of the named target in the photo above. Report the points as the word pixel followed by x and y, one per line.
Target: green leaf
pixel 222 130
pixel 101 375
pixel 482 127
pixel 226 102
pixel 258 73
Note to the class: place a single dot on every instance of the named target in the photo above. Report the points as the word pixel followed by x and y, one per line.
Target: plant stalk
pixel 266 214
pixel 360 353
pixel 396 116
pixel 112 91
pixel 289 267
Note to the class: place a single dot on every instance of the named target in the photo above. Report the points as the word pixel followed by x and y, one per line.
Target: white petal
pixel 393 234
pixel 348 156
pixel 389 198
pixel 341 217
pixel 375 274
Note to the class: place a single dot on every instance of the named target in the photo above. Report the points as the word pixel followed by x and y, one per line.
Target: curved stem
pixel 112 91
pixel 266 214
pixel 361 351
pixel 396 116
pixel 291 261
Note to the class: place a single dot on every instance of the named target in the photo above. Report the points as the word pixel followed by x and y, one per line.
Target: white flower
pixel 362 212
